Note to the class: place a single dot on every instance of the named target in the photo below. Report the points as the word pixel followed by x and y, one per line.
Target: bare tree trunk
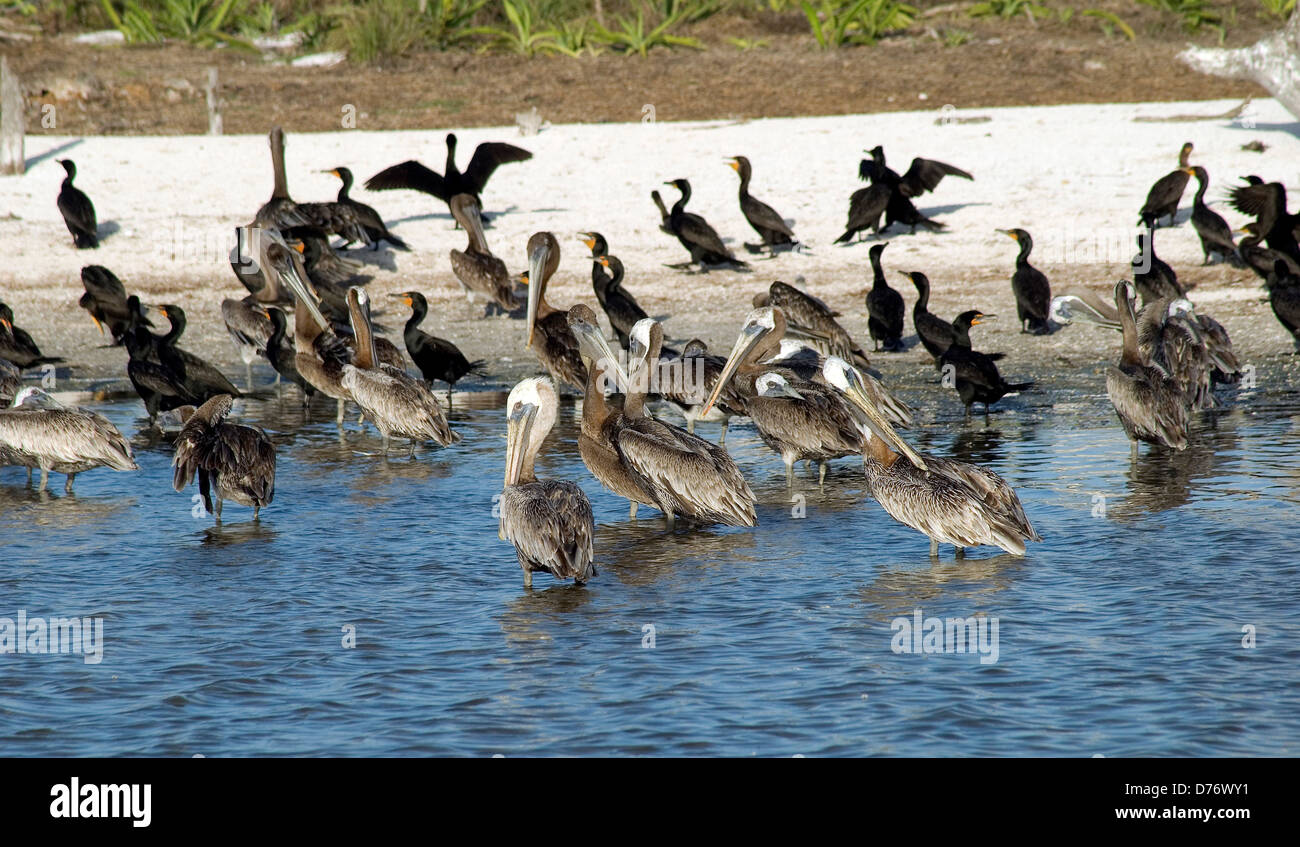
pixel 1273 62
pixel 214 103
pixel 13 159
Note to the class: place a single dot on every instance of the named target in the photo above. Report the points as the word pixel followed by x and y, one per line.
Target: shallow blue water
pixel 1121 634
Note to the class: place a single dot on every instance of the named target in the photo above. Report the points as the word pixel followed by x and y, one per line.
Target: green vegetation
pixel 381 30
pixel 835 23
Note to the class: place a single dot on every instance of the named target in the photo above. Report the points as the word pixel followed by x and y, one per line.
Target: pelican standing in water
pixel 798 418
pixel 951 502
pixel 548 327
pixel 320 356
pixel 600 417
pixel 233 462
pixel 685 475
pixel 395 402
pixel 1149 403
pixel 39 432
pixel 548 520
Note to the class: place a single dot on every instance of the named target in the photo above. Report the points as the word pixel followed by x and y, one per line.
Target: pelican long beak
pixel 592 343
pixel 291 275
pixel 750 335
pixel 519 427
pixel 536 269
pixel 1067 308
pixel 857 395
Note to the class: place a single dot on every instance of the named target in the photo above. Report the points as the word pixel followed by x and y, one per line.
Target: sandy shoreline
pixel 1074 176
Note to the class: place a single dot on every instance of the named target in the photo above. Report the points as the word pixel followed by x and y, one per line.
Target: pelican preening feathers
pixel 232 461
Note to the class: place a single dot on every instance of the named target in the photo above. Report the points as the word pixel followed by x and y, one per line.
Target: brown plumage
pixel 232 461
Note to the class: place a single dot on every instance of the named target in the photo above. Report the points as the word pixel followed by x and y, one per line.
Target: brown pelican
pixel 812 320
pixel 397 403
pixel 39 432
pixel 320 354
pixel 77 210
pixel 548 328
pixel 280 212
pixel 599 415
pixel 233 461
pixel 17 345
pixel 952 502
pixel 684 475
pixel 477 270
pixel 1149 403
pixel 799 419
pixel 549 521
pixel 1193 350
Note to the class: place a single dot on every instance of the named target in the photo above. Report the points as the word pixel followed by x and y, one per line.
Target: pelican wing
pixel 696 479
pixel 398 404
pixel 550 522
pixel 65 436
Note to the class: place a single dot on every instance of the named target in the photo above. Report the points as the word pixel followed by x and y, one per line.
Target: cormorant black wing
pixel 925 174
pixel 410 174
pixel 1259 199
pixel 487 157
